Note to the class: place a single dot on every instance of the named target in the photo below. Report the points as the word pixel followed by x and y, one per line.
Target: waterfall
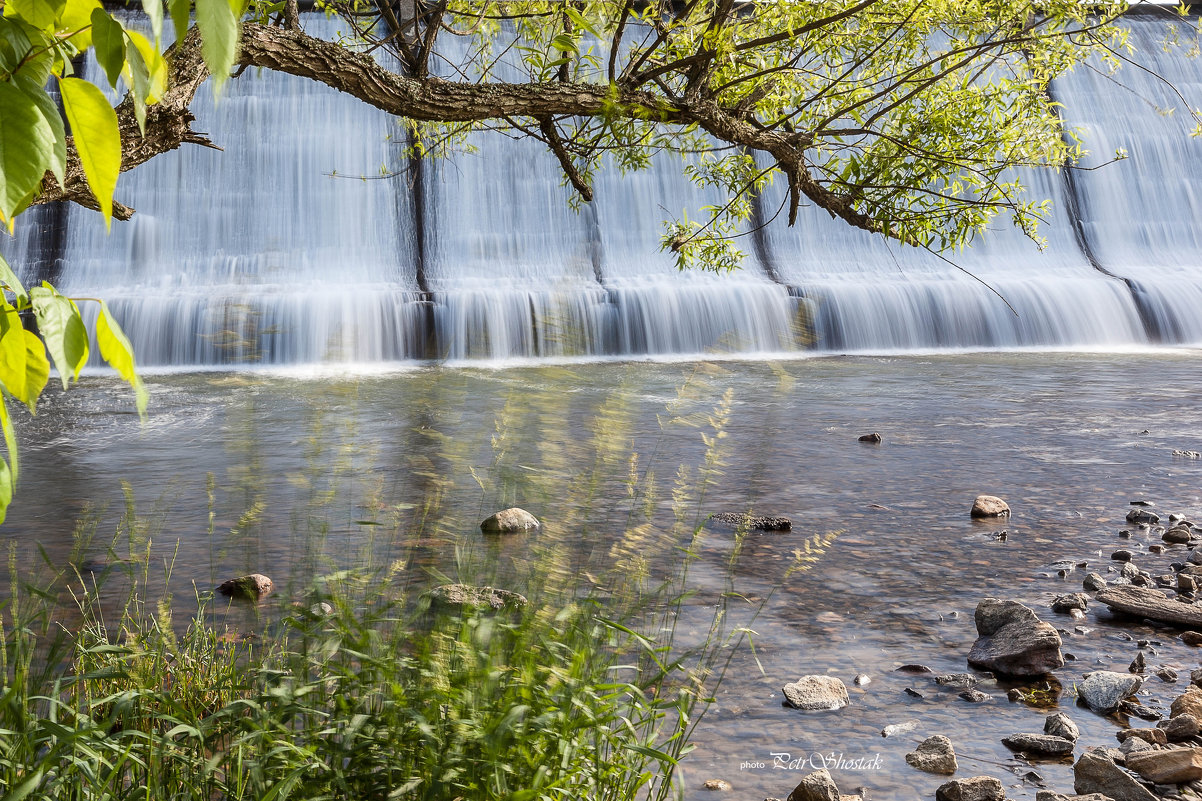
pixel 314 237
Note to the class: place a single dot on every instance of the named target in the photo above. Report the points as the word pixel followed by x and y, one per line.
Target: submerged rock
pixel 874 438
pixel 509 521
pixel 989 506
pixel 751 522
pixel 247 588
pixel 934 755
pixel 816 693
pixel 721 785
pixel 1013 640
pixel 464 595
pixel 1142 516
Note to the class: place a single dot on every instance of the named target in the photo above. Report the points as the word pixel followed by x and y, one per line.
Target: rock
pixel 751 522
pixel 1142 516
pixel 895 729
pixel 1152 604
pixel 862 680
pixel 1104 690
pixel 1166 674
pixel 1138 664
pixel 1048 795
pixel 1096 773
pixel 816 692
pixel 1179 536
pixel 913 669
pixel 1039 744
pixel 1188 703
pixel 934 755
pixel 1122 555
pixel 1128 571
pixel 509 521
pixel 974 696
pixel 1060 725
pixel 1067 603
pixel 989 506
pixel 978 788
pixel 1182 727
pixel 1134 745
pixel 959 681
pixel 720 785
pixel 247 588
pixel 1195 677
pixel 874 438
pixel 1139 710
pixel 1094 582
pixel 910 691
pixel 1013 640
pixel 1174 766
pixel 464 595
pixel 1193 638
pixel 818 786
pixel 1153 736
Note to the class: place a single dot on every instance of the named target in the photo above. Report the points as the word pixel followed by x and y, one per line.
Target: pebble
pixel 717 784
pixel 974 696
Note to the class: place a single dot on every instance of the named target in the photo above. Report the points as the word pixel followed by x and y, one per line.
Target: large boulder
pixel 1013 640
pixel 1104 690
pixel 816 692
pixel 465 595
pixel 986 506
pixel 934 755
pixel 509 521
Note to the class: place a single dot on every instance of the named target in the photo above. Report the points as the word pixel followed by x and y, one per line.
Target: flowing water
pixel 310 473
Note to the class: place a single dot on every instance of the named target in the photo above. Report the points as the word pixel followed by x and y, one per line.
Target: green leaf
pixel 36 92
pixel 180 10
pixel 10 280
pixel 565 43
pixel 116 350
pixel 154 10
pixel 77 19
pixel 26 787
pixel 13 355
pixel 219 38
pixel 62 330
pixel 139 76
pixel 38 13
pixel 94 126
pixel 108 39
pixel 26 149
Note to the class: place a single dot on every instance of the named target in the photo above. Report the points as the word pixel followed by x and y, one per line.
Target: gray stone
pixel 934 755
pixel 817 786
pixel 974 696
pixel 816 692
pixel 1061 725
pixel 1067 603
pixel 1134 745
pixel 894 729
pixel 1039 744
pixel 960 681
pixel 464 595
pixel 1153 736
pixel 509 521
pixel 720 785
pixel 1142 516
pixel 1103 690
pixel 1094 582
pixel 1179 536
pixel 1013 641
pixel 247 588
pixel 989 506
pixel 978 788
pixel 1095 772
pixel 1048 795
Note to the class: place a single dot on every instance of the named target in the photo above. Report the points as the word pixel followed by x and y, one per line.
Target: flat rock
pixel 1041 744
pixel 509 521
pixel 1174 766
pixel 1061 725
pixel 1048 795
pixel 248 588
pixel 934 755
pixel 817 786
pixel 1153 736
pixel 1094 772
pixel 978 788
pixel 1142 516
pixel 1152 604
pixel 1104 690
pixel 959 681
pixel 464 595
pixel 816 692
pixel 989 506
pixel 751 522
pixel 1013 640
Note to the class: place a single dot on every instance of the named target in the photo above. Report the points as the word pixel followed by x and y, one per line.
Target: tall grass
pixel 365 687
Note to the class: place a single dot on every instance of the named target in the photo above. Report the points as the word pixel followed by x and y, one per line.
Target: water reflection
pixel 292 478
